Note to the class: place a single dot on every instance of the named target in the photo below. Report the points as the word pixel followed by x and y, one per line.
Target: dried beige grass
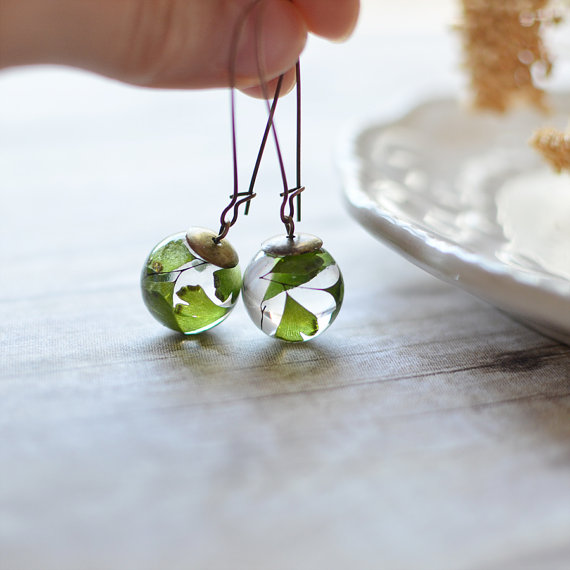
pixel 503 45
pixel 502 42
pixel 554 146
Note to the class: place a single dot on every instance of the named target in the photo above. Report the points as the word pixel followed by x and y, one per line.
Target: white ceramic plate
pixel 464 197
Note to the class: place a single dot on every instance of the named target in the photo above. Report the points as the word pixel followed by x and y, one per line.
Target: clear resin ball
pixel 293 289
pixel 184 291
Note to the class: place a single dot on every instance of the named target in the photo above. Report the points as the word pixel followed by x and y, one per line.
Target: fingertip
pixel 334 21
pixel 258 92
pixel 274 37
pixel 350 24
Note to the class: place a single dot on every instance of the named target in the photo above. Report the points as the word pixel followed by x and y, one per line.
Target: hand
pixel 169 43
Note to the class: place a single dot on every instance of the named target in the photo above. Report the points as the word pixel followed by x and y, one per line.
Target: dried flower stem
pixel 503 44
pixel 554 146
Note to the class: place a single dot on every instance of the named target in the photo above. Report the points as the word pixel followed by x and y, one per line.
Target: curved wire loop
pixel 287 219
pixel 288 194
pixel 235 202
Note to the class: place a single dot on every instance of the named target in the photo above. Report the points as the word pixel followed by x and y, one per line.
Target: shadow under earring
pixel 293 288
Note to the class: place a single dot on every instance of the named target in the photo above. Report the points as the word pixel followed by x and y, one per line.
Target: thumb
pixel 159 43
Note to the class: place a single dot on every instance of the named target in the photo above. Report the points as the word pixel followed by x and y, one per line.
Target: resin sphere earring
pixel 293 288
pixel 191 282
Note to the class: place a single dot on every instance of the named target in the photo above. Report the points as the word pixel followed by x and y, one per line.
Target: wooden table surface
pixel 424 430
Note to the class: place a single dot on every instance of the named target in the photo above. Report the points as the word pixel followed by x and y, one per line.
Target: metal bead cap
pixel 202 243
pixel 280 246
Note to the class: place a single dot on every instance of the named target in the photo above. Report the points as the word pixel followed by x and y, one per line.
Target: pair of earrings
pixel 292 289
